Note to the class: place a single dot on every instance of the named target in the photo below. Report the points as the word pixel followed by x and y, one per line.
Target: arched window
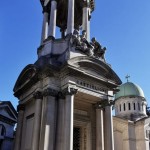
pixel 134 106
pixel 2 130
pixel 124 106
pixel 129 106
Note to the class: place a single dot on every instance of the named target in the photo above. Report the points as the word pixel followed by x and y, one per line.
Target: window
pixel 124 106
pixel 120 107
pixel 2 130
pixel 129 107
pixel 134 106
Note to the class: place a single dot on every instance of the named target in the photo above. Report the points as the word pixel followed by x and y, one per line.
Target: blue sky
pixel 123 26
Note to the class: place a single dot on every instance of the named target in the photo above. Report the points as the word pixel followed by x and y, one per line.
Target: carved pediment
pixel 95 68
pixel 28 74
pixel 8 111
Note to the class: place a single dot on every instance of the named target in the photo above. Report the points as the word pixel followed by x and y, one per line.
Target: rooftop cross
pixel 127 77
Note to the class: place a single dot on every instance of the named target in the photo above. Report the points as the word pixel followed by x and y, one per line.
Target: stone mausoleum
pixel 66 96
pixel 8 119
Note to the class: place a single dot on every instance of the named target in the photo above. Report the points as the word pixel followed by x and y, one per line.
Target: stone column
pixel 37 120
pixel 50 119
pixel 52 22
pixel 86 19
pixel 109 137
pixel 99 127
pixel 60 123
pixel 44 26
pixel 70 21
pixel 69 110
pixel 18 138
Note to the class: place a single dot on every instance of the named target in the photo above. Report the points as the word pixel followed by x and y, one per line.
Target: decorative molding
pixel 38 95
pixel 20 107
pixel 91 86
pixel 50 92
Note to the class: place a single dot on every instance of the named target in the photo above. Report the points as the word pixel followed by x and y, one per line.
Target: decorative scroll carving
pixel 50 92
pixel 20 107
pixel 102 104
pixel 69 91
pixel 38 95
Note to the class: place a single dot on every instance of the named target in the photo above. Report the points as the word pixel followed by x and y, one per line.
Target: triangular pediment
pixel 8 111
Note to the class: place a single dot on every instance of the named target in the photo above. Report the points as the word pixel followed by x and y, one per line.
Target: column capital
pixel 86 3
pixel 38 95
pixel 50 92
pixel 70 91
pixel 20 107
pixel 102 104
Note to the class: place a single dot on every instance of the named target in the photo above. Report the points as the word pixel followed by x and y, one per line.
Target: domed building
pixel 130 102
pixel 131 123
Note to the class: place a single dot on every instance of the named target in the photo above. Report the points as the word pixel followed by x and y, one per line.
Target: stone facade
pixel 8 119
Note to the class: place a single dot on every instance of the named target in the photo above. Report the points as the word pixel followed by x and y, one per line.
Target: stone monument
pixel 66 96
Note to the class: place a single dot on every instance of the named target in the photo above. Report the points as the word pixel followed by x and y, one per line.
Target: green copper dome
pixel 129 89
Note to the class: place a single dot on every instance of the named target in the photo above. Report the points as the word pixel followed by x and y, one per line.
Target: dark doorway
pixel 76 138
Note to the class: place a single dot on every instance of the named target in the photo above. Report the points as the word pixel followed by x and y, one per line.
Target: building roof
pixel 129 89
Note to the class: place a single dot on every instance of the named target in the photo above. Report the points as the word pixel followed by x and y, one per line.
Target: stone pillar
pixel 37 120
pixel 99 127
pixel 18 138
pixel 52 22
pixel 86 19
pixel 109 137
pixel 50 119
pixel 60 123
pixel 70 21
pixel 69 110
pixel 44 26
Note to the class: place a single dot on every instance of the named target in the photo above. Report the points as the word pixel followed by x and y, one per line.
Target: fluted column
pixel 18 137
pixel 52 22
pixel 37 120
pixel 86 19
pixel 44 26
pixel 70 20
pixel 109 136
pixel 50 119
pixel 99 127
pixel 69 109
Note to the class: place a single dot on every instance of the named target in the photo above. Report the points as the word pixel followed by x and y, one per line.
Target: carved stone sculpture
pixel 98 50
